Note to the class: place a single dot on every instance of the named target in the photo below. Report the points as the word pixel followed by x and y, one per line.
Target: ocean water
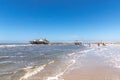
pixel 36 62
pixel 50 62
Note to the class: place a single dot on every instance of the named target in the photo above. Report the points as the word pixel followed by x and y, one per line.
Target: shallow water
pixel 97 63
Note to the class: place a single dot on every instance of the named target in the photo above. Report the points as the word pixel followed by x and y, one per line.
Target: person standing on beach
pixel 98 44
pixel 103 44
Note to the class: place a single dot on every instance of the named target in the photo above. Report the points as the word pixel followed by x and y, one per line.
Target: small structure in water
pixel 77 42
pixel 39 41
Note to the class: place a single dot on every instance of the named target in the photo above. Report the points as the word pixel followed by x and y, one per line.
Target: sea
pixel 52 62
pixel 36 62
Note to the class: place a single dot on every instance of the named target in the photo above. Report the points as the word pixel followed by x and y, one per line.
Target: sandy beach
pixel 99 73
pixel 100 63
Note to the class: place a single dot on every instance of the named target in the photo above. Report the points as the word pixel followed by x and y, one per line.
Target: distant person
pixel 103 44
pixel 98 44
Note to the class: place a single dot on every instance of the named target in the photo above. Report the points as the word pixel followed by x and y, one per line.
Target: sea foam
pixel 59 76
pixel 30 71
pixel 14 45
pixel 111 54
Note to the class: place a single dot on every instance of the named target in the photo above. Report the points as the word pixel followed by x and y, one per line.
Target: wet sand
pixel 93 67
pixel 93 74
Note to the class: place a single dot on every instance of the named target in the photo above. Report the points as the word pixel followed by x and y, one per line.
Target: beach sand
pixel 94 66
pixel 93 74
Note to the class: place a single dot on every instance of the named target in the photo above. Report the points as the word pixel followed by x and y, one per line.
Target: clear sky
pixel 24 20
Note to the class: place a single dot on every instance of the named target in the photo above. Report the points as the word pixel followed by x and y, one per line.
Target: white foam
pixel 15 45
pixel 71 54
pixel 86 51
pixel 2 57
pixel 3 62
pixel 58 76
pixel 83 51
pixel 30 71
pixel 51 62
pixel 6 57
pixel 111 55
pixel 115 61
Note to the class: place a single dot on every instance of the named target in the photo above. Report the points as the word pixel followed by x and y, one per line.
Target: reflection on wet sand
pixel 99 64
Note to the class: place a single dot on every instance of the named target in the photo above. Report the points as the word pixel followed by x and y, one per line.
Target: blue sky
pixel 59 20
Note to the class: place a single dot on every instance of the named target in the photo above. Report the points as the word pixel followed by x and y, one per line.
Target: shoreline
pixel 93 66
pixel 78 63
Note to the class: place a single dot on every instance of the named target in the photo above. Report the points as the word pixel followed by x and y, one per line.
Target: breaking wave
pixel 30 71
pixel 59 76
pixel 14 45
pixel 33 70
